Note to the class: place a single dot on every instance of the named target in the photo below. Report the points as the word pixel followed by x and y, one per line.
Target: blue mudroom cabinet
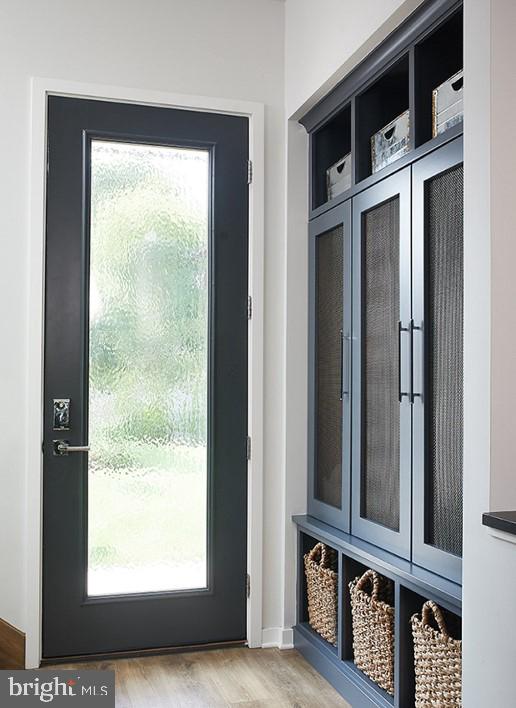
pixel 386 344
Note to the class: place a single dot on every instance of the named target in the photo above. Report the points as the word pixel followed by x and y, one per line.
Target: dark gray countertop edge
pixel 501 520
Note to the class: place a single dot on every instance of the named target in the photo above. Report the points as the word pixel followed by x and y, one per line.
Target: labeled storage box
pixel 338 177
pixel 321 589
pixel 391 142
pixel 373 628
pixel 447 104
pixel 437 660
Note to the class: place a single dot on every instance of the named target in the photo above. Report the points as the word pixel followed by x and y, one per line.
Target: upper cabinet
pixel 386 363
pixel 407 361
pixel 381 476
pixel 401 102
pixel 330 367
pixel 437 386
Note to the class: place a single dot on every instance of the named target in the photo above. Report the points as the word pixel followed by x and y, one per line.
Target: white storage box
pixel 391 142
pixel 447 104
pixel 338 177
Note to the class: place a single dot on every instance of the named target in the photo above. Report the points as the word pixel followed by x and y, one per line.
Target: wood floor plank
pixel 220 678
pixel 12 647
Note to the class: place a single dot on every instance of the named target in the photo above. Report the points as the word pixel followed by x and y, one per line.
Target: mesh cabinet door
pixel 381 317
pixel 438 185
pixel 330 366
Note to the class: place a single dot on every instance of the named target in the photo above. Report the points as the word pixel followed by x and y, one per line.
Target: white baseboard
pixel 280 637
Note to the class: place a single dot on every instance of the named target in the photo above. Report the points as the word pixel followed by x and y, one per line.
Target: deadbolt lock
pixel 61 415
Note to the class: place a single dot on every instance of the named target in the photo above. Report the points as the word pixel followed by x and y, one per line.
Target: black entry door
pixel 145 421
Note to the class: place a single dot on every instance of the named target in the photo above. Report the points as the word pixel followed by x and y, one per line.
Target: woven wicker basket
pixel 437 661
pixel 373 628
pixel 321 587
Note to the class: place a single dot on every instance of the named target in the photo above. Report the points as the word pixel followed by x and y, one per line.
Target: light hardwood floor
pixel 252 678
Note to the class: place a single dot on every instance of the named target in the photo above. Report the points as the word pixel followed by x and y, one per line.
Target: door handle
pixel 341 336
pixel 346 364
pixel 413 394
pixel 401 393
pixel 61 447
pixel 345 356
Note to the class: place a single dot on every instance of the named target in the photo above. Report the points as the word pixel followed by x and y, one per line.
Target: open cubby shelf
pixel 331 142
pixel 446 44
pixel 412 587
pixel 383 101
pixel 399 76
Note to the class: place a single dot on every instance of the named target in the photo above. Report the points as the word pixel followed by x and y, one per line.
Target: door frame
pixel 40 90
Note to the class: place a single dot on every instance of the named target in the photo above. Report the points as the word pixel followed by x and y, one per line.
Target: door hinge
pixel 248 447
pixel 249 171
pixel 249 307
pixel 248 585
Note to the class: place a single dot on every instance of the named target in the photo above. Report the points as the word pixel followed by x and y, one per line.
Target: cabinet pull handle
pixel 341 388
pixel 413 394
pixel 401 393
pixel 346 364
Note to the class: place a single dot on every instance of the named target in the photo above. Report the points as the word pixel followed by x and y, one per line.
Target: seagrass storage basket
pixel 437 661
pixel 321 588
pixel 373 628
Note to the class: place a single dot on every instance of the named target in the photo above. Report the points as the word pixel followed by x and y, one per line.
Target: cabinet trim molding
pixel 422 20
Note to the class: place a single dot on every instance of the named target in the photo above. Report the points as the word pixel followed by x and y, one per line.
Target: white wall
pixel 324 40
pixel 228 48
pixel 296 355
pixel 503 256
pixel 489 620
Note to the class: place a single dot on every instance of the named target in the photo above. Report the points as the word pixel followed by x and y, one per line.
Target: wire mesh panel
pixel 380 481
pixel 444 304
pixel 329 314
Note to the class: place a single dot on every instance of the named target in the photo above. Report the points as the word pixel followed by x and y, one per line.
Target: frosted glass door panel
pixel 148 363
